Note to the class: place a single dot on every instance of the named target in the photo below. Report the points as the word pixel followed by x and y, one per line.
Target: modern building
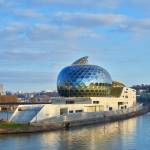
pixel 83 88
pixel 84 80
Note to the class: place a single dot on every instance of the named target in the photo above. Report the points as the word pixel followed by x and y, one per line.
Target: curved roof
pixel 81 61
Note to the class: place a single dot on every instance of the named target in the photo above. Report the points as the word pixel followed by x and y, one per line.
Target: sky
pixel 40 37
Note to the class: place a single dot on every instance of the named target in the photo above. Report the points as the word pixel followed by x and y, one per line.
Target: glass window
pixel 95 102
pixel 78 111
pixel 70 111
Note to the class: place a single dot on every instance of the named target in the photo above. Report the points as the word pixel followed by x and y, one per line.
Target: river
pixel 131 134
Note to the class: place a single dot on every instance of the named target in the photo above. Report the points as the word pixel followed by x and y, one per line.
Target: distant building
pixel 5 97
pixel 8 99
pixel 1 89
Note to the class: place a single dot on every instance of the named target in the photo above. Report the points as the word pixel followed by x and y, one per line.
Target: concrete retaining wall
pixel 105 119
pixel 80 119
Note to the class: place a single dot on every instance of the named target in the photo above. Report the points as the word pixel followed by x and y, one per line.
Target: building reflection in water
pixel 92 137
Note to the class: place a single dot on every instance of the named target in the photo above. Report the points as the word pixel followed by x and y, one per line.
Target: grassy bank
pixel 14 128
pixel 8 125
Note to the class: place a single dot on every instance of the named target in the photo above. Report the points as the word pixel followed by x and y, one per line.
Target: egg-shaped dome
pixel 83 80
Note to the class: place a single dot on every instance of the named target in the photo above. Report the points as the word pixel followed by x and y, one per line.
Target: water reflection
pixel 122 135
pixel 92 138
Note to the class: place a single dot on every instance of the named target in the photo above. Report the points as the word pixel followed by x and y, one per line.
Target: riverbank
pixel 130 134
pixel 14 128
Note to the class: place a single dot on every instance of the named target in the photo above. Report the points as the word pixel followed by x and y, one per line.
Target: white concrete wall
pixel 128 98
pixel 52 110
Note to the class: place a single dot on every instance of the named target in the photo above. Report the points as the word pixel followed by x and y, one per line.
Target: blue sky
pixel 39 37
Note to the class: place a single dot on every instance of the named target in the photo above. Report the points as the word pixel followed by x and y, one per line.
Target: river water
pixel 131 134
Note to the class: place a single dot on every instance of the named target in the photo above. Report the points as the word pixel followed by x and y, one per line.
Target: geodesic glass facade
pixel 83 80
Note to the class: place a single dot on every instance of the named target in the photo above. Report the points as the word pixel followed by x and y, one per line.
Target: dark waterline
pixel 132 134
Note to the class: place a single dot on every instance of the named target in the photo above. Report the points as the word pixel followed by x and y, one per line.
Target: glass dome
pixel 83 80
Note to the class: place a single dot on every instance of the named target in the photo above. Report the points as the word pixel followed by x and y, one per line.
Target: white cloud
pixel 114 22
pixel 26 77
pixel 90 19
pixel 90 4
pixel 82 3
pixel 28 13
pixel 16 32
